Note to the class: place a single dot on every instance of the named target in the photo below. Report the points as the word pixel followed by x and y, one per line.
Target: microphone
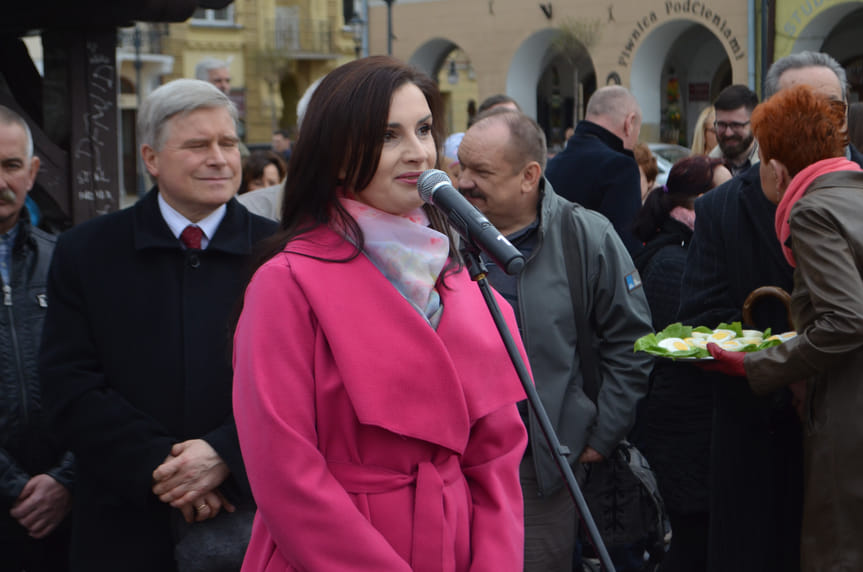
pixel 436 189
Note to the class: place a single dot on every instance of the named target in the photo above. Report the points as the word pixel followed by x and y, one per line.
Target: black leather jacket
pixel 26 446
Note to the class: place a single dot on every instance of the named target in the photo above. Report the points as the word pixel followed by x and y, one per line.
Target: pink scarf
pixel 683 215
pixel 795 191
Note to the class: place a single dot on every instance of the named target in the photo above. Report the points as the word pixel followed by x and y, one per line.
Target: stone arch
pixel 843 43
pixel 449 64
pixel 688 52
pixel 812 36
pixel 566 81
pixel 430 56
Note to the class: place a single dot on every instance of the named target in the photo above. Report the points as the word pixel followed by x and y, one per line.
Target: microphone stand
pixel 478 271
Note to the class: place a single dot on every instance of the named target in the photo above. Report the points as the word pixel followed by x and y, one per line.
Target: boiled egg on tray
pixel 674 345
pixel 731 345
pixel 719 336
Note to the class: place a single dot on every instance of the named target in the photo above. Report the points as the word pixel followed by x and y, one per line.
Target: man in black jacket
pixel 35 473
pixel 597 169
pixel 136 353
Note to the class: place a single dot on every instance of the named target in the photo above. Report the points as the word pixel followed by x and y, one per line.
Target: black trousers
pixel 688 550
pixel 19 552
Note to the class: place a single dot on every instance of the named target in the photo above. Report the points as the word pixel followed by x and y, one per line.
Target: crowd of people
pixel 281 362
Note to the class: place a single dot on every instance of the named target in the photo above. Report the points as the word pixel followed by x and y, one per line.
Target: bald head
pixel 615 109
pixel 611 100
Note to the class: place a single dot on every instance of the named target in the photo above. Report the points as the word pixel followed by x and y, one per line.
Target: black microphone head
pixel 427 182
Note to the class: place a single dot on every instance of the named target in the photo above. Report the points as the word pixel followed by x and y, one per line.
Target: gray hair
pixel 178 97
pixel 10 117
pixel 206 65
pixel 799 61
pixel 613 101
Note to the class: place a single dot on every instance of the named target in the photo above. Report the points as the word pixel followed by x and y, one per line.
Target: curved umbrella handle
pixel 764 291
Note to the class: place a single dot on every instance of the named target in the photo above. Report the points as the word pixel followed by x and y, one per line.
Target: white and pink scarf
pixel 408 253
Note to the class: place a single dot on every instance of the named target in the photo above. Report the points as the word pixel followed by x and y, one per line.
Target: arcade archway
pixel 451 66
pixel 678 70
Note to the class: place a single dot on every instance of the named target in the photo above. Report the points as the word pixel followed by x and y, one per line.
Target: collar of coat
pixel 233 236
pixel 587 128
pixel 399 373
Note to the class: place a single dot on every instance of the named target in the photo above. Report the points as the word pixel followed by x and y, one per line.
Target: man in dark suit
pixel 597 169
pixel 136 350
pixel 756 452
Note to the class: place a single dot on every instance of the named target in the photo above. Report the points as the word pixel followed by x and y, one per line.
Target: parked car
pixel 667 154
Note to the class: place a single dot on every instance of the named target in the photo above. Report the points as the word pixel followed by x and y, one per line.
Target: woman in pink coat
pixel 374 400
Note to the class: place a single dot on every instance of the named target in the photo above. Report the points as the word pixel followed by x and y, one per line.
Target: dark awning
pixel 20 17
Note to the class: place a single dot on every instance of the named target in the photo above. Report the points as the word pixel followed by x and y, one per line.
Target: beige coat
pixel 827 306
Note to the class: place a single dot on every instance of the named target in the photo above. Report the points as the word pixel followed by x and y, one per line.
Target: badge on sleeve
pixel 633 280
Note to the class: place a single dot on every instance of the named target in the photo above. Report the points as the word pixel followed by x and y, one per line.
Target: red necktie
pixel 191 237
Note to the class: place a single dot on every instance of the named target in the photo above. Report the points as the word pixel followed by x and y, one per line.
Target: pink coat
pixel 371 441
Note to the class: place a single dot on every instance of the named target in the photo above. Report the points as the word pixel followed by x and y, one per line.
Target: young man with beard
pixel 736 144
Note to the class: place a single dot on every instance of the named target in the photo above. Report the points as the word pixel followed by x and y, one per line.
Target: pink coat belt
pixel 427 551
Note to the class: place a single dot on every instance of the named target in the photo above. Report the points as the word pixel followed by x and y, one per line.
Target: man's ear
pixel 629 124
pixel 151 159
pixel 530 176
pixel 781 174
pixel 34 171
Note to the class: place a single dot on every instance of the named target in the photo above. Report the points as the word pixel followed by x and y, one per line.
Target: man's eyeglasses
pixel 733 125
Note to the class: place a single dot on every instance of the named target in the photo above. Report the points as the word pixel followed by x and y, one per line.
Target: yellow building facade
pixel 275 50
pixel 675 55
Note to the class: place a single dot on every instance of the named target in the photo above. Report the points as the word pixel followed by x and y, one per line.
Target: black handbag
pixel 624 500
pixel 214 545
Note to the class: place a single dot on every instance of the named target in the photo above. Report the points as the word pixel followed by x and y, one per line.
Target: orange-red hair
pixel 798 127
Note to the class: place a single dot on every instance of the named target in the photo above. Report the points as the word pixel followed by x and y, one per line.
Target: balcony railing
pixel 299 36
pixel 151 38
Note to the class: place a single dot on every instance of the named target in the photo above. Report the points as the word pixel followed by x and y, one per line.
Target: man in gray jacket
pixel 577 267
pixel 35 473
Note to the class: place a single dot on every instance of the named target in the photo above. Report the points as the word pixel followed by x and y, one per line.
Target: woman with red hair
pixel 819 221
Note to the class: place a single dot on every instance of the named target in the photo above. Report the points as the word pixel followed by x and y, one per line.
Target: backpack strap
pixel 572 260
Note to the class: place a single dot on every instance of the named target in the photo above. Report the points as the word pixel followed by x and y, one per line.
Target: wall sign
pixel 700 11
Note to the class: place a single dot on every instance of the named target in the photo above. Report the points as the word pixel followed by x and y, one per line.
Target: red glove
pixel 729 363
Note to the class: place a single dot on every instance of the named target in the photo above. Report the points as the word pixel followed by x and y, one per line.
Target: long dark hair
pixel 339 147
pixel 688 178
